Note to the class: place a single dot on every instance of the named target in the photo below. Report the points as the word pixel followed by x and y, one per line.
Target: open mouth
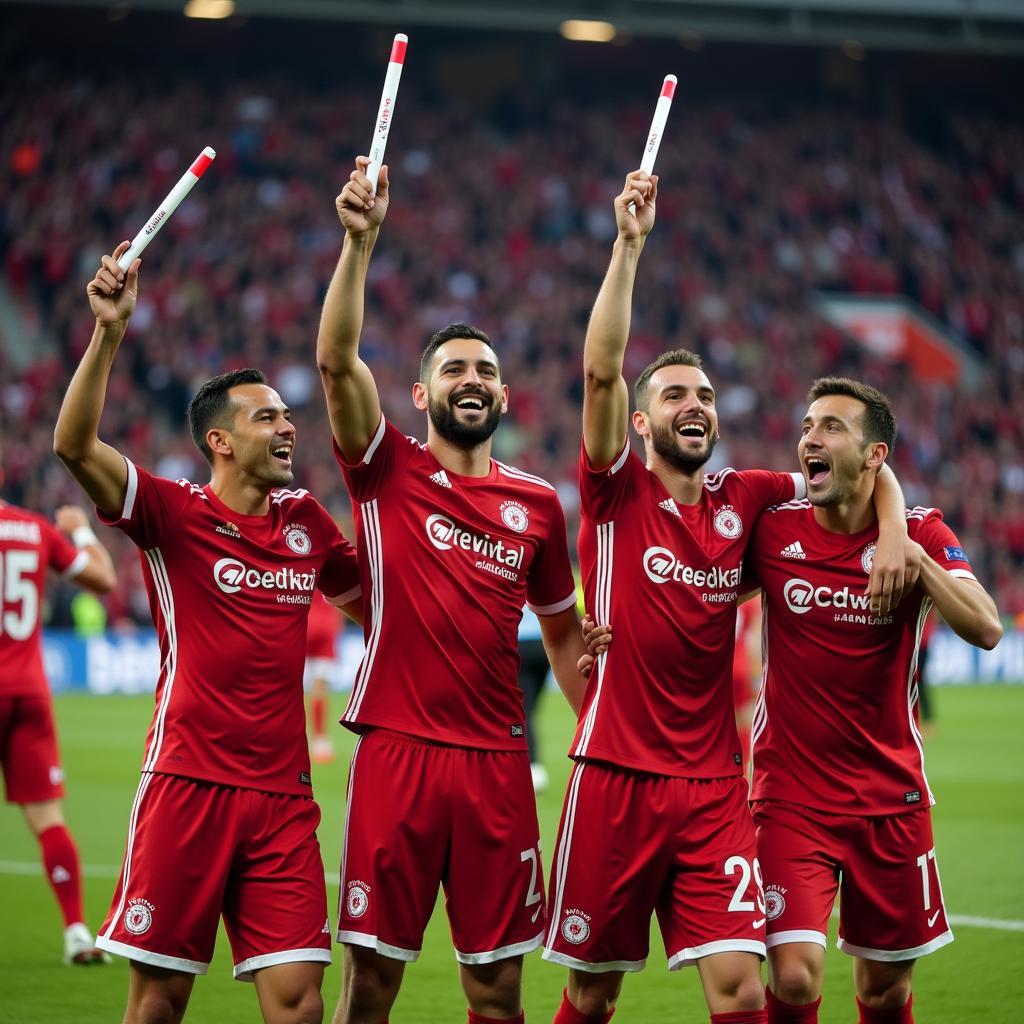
pixel 471 403
pixel 695 430
pixel 283 453
pixel 818 470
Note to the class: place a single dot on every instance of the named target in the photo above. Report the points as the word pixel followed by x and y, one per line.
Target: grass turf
pixel 974 765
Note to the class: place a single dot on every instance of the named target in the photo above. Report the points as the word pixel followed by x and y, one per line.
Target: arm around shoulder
pixel 964 603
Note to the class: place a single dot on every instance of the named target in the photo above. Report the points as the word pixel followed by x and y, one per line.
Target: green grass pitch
pixel 975 765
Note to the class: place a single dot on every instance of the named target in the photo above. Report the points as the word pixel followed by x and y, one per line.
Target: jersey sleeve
pixel 603 492
pixel 387 451
pixel 551 587
pixel 339 576
pixel 61 555
pixel 767 488
pixel 940 542
pixel 152 505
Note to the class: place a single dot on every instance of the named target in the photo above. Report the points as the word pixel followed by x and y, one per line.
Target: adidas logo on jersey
pixel 440 478
pixel 670 506
pixel 793 550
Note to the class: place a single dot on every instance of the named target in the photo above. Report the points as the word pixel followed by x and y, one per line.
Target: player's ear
pixel 219 441
pixel 419 395
pixel 504 398
pixel 640 424
pixel 876 455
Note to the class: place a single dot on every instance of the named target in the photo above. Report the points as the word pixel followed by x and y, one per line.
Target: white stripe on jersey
pixel 518 474
pixel 131 489
pixel 165 597
pixel 790 506
pixel 760 717
pixel 926 607
pixel 375 441
pixel 620 461
pixel 127 869
pixel 371 531
pixel 605 560
pixel 561 867
pixel 76 567
pixel 799 486
pixel 713 481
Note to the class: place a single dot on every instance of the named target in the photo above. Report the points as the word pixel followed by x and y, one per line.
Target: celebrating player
pixel 223 821
pixel 839 784
pixel 29 545
pixel 658 776
pixel 452 544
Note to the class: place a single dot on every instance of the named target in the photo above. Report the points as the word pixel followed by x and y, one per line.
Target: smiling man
pixel 452 545
pixel 838 783
pixel 224 822
pixel 655 817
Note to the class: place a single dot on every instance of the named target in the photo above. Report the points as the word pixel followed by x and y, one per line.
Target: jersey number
pixel 922 863
pixel 740 864
pixel 533 896
pixel 15 586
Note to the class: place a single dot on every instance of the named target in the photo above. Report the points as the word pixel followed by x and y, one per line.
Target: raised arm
pixel 352 401
pixel 98 467
pixel 605 395
pixel 98 573
pixel 964 604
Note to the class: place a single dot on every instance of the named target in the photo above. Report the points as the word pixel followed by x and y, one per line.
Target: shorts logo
pixel 775 902
pixel 357 899
pixel 56 775
pixel 138 918
pixel 575 928
pixel 867 557
pixel 514 516
pixel 728 523
pixel 297 539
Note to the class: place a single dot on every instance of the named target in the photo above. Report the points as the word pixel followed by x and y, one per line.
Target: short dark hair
pixel 676 357
pixel 212 407
pixel 446 334
pixel 877 421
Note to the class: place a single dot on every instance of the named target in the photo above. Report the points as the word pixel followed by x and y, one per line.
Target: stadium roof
pixel 994 26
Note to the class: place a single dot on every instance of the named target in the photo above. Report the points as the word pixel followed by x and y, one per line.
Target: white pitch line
pixel 20 867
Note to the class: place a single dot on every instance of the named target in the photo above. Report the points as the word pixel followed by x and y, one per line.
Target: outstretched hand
pixel 359 209
pixel 113 291
pixel 640 190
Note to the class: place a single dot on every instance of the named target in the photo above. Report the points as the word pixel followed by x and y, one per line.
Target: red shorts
pixel 28 750
pixel 890 905
pixel 421 814
pixel 630 844
pixel 197 850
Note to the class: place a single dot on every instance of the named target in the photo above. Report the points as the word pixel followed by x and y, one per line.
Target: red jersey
pixel 834 727
pixel 665 577
pixel 29 545
pixel 448 562
pixel 322 628
pixel 230 597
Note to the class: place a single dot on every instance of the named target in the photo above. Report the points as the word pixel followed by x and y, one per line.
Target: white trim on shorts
pixel 797 935
pixel 372 942
pixel 692 954
pixel 244 971
pixel 171 963
pixel 895 955
pixel 629 966
pixel 516 949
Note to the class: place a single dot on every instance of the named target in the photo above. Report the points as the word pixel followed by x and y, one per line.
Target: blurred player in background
pixel 655 818
pixel 223 822
pixel 452 545
pixel 321 659
pixel 29 547
pixel 839 788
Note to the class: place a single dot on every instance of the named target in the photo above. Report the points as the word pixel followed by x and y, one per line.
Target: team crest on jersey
pixel 297 539
pixel 576 927
pixel 728 522
pixel 514 516
pixel 357 899
pixel 774 901
pixel 138 918
pixel 867 558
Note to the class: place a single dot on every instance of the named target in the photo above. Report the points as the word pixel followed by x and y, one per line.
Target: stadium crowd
pixel 503 219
